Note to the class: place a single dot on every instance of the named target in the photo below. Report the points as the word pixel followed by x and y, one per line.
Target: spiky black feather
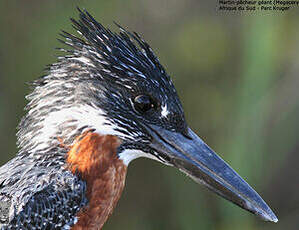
pixel 117 50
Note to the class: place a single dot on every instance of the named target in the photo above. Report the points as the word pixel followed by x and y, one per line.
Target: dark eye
pixel 143 103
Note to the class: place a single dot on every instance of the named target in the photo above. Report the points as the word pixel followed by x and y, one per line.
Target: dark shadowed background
pixel 237 77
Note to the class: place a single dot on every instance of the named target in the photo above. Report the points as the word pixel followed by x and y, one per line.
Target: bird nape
pixel 105 102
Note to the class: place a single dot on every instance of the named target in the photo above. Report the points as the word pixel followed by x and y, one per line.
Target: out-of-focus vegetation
pixel 237 76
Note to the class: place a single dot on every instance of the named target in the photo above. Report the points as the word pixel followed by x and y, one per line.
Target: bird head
pixel 113 84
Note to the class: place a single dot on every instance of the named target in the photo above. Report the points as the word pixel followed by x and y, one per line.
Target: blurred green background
pixel 237 77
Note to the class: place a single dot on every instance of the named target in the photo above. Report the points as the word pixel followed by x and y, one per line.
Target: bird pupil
pixel 143 103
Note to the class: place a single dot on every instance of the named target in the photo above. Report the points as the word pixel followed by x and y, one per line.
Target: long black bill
pixel 192 156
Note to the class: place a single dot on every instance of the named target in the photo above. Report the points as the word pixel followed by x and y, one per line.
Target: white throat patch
pixel 131 154
pixel 79 116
